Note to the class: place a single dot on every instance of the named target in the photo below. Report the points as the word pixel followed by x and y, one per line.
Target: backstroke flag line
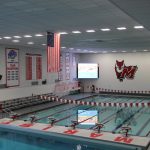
pixel 53 52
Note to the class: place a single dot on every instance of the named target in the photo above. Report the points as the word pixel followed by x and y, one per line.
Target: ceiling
pixel 22 17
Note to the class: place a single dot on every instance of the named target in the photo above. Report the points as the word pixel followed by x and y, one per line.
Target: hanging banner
pixel 12 67
pixel 33 66
pixel 28 67
pixel 74 70
pixel 60 73
pixel 67 66
pixel 38 67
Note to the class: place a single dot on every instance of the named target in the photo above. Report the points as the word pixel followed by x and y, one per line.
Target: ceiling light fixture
pixel 0 38
pixel 63 47
pixel 121 28
pixel 114 51
pixel 15 41
pixel 105 29
pixel 71 48
pixel 123 51
pixel 145 50
pixel 26 36
pixel 43 44
pixel 76 32
pixel 39 35
pixel 17 37
pixel 138 27
pixel 7 37
pixel 90 31
pixel 63 33
pixel 30 43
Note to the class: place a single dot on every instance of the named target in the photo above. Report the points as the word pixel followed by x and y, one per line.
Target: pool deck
pixel 83 133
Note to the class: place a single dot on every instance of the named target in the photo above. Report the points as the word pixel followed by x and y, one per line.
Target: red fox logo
pixel 123 71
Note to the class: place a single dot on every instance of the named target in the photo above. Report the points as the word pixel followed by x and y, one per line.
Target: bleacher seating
pixel 14 104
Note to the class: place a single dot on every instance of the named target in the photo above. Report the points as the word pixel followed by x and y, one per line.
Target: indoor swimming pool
pixel 30 141
pixel 113 118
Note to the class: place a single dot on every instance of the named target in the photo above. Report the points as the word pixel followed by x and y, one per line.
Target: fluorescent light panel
pixel 27 36
pixel 39 35
pixel 138 27
pixel 71 48
pixel 30 43
pixel 76 32
pixel 15 41
pixel 121 28
pixel 90 30
pixel 63 33
pixel 7 37
pixel 17 37
pixel 105 29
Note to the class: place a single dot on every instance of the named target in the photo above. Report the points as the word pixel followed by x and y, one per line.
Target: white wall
pixel 2 65
pixel 17 92
pixel 25 88
pixel 22 53
pixel 108 79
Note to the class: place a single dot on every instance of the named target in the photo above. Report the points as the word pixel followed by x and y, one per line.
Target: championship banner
pixel 28 67
pixel 33 66
pixel 67 66
pixel 12 67
pixel 38 67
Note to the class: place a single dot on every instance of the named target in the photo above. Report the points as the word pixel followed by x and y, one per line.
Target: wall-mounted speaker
pixel 44 82
pixel 1 77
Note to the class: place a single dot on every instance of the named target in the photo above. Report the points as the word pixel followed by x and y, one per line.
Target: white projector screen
pixel 88 71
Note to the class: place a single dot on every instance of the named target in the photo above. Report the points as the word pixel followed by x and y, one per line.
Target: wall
pixel 74 58
pixel 17 92
pixel 108 79
pixel 25 88
pixel 22 52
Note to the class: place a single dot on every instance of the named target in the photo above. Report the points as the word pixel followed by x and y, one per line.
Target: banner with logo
pixel 12 67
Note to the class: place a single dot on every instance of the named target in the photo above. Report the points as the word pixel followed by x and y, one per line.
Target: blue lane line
pixel 143 127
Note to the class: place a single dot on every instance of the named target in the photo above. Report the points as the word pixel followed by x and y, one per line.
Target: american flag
pixel 53 52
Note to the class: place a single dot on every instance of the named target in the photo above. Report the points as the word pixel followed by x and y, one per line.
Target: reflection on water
pixel 16 141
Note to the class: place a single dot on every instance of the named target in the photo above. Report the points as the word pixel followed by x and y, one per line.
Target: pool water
pixel 14 140
pixel 113 118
